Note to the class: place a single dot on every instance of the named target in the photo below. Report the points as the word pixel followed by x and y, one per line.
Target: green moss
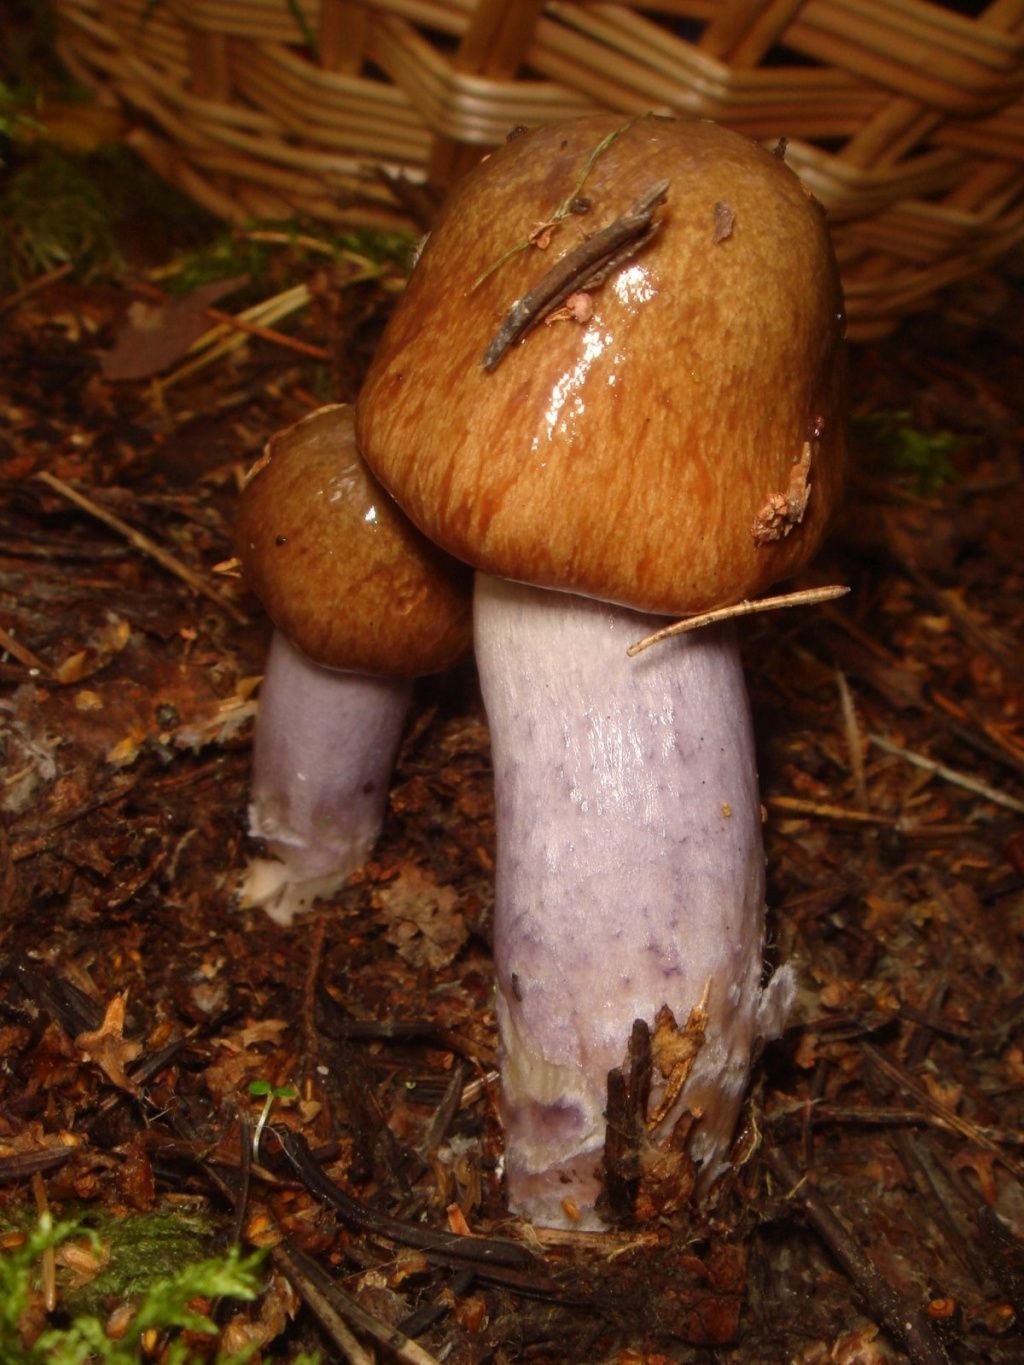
pixel 53 213
pixel 295 244
pixel 165 1282
pixel 890 445
pixel 143 1248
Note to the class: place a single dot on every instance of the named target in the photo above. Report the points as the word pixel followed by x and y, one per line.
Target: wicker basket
pixel 904 117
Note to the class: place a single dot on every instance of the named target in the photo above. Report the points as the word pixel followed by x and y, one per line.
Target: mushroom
pixel 361 605
pixel 675 444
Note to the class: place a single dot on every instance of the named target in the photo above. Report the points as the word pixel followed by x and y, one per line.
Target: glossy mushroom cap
pixel 675 442
pixel 339 569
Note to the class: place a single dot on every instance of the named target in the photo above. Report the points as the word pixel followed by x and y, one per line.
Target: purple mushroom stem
pixel 324 747
pixel 630 876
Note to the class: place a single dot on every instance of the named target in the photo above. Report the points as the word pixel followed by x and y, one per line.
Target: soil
pixel 874 1211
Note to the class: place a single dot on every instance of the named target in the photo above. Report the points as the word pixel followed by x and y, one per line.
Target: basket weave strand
pixel 905 118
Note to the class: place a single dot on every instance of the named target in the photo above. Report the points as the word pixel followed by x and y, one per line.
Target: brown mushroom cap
pixel 339 569
pixel 656 453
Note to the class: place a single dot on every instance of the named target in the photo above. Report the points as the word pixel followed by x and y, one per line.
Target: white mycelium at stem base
pixel 323 749
pixel 630 876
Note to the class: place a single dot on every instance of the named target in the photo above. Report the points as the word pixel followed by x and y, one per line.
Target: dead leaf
pixel 157 335
pixel 257 1328
pixel 244 1056
pixel 424 923
pixel 109 1048
pixel 673 1051
pixel 106 642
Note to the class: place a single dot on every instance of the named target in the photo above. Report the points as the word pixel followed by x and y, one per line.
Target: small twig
pixel 222 339
pixel 481 1251
pixel 565 208
pixel 994 741
pixel 416 199
pixel 901 1317
pixel 584 265
pixel 472 1090
pixel 821 1112
pixel 329 1302
pixel 293 239
pixel 445 1112
pixel 33 286
pixel 21 652
pixel 804 598
pixel 314 962
pixel 609 1243
pixel 245 1150
pixel 37 838
pixel 143 544
pixel 822 810
pixel 958 779
pixel 417 1322
pixel 629 1090
pixel 854 741
pixel 14 1168
pixel 49 1257
pixel 934 1186
pixel 237 324
pixel 957 1124
pixel 800 805
pixel 324 1300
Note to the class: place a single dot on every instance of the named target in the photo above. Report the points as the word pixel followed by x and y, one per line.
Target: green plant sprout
pixel 269 1093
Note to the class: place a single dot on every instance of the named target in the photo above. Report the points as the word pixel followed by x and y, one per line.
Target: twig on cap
pixel 805 598
pixel 584 266
pixel 574 201
pixel 566 205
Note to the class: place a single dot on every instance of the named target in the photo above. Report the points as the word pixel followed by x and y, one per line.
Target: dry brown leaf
pixel 673 1051
pixel 238 1062
pixel 424 922
pixel 156 336
pixel 109 1048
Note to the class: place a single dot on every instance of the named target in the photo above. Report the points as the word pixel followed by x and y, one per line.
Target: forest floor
pixel 875 1210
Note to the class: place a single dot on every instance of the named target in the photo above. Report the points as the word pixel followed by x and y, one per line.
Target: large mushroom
pixel 613 386
pixel 362 605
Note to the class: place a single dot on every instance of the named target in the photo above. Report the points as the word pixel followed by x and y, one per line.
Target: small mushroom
pixel 597 476
pixel 362 605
